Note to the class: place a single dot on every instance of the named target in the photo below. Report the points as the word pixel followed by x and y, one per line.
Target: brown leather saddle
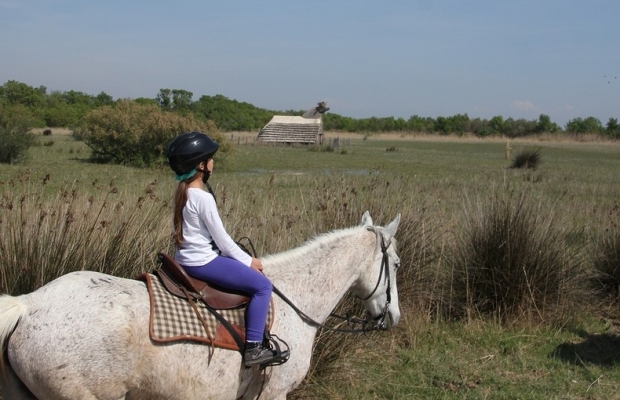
pixel 175 279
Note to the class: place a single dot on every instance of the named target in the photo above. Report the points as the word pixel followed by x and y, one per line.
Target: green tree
pixel 613 128
pixel 480 127
pixel 416 123
pixel 103 99
pixel 231 115
pixel 514 128
pixel 57 111
pixel 546 125
pixel 442 125
pixel 587 125
pixel 164 98
pixel 146 101
pixel 460 123
pixel 20 93
pixel 496 125
pixel 181 99
pixel 174 99
pixel 336 122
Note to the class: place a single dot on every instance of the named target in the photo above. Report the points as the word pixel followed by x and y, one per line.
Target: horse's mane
pixel 312 245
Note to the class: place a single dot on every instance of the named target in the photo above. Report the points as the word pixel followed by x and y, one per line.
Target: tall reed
pixel 97 227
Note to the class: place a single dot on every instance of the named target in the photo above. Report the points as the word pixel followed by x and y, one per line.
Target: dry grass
pixel 79 227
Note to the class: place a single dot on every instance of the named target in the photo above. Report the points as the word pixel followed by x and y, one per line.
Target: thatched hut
pixel 307 129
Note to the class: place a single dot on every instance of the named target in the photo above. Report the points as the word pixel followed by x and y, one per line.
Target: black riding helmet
pixel 186 151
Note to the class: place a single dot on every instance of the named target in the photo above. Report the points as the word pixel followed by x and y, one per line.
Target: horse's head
pixel 377 283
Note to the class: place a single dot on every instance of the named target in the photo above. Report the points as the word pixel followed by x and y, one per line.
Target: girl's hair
pixel 180 198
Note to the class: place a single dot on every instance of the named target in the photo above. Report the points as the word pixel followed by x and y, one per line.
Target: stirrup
pixel 281 355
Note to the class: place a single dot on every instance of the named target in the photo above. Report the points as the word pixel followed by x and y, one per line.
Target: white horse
pixel 85 335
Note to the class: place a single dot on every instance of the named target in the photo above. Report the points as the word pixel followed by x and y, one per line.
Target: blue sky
pixel 516 59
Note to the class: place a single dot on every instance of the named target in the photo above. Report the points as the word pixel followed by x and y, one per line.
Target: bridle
pixel 379 322
pixel 385 266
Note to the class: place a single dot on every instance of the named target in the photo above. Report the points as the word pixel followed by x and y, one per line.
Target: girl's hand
pixel 256 265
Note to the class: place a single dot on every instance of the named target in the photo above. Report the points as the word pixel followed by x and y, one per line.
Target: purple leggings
pixel 232 274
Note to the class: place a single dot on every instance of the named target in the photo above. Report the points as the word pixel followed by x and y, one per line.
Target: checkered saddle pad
pixel 173 319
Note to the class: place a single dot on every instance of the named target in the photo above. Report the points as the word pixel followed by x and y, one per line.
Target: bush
pixel 135 134
pixel 13 145
pixel 528 159
pixel 605 257
pixel 511 260
pixel 15 139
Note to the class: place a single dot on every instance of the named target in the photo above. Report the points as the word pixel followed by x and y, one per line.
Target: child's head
pixel 186 151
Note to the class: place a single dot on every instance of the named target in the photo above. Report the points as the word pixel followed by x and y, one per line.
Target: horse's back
pixel 77 327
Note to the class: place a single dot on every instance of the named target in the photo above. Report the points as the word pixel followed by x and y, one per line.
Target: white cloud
pixel 522 105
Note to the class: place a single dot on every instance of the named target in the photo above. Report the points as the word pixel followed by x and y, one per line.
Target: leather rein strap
pixel 380 320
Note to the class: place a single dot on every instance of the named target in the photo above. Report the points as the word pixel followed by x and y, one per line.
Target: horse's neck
pixel 317 275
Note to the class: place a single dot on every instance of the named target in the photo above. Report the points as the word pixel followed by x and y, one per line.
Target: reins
pixel 379 321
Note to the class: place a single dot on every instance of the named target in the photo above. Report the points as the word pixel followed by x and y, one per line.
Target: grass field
pixel 59 212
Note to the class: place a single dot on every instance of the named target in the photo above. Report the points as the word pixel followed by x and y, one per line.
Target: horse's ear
pixel 366 219
pixel 391 228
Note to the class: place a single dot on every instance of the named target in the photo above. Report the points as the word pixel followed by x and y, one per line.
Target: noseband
pixel 379 321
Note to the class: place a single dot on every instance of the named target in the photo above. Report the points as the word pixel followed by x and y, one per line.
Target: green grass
pixel 476 361
pixel 281 196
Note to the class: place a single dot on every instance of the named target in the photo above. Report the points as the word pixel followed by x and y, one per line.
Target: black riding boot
pixel 256 354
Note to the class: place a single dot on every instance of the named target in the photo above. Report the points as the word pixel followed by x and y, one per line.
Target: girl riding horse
pixel 203 247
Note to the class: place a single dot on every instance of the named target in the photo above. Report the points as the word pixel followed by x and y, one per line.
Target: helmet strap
pixel 210 190
pixel 206 174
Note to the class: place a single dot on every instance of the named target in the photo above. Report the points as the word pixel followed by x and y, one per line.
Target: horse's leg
pixel 11 387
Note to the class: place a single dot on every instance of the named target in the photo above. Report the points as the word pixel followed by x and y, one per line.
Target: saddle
pixel 218 301
pixel 175 279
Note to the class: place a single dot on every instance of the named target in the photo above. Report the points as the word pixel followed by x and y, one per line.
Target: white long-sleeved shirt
pixel 202 225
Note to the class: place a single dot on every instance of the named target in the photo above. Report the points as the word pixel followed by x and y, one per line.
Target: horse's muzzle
pixel 385 320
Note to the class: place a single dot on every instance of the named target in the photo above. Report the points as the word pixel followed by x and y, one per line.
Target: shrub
pixel 605 257
pixel 511 260
pixel 527 158
pixel 47 132
pixel 15 139
pixel 134 134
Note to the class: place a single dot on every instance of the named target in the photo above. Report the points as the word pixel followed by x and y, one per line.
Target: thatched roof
pixel 288 129
pixel 307 129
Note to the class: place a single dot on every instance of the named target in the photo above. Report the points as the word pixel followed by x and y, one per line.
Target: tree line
pixel 30 106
